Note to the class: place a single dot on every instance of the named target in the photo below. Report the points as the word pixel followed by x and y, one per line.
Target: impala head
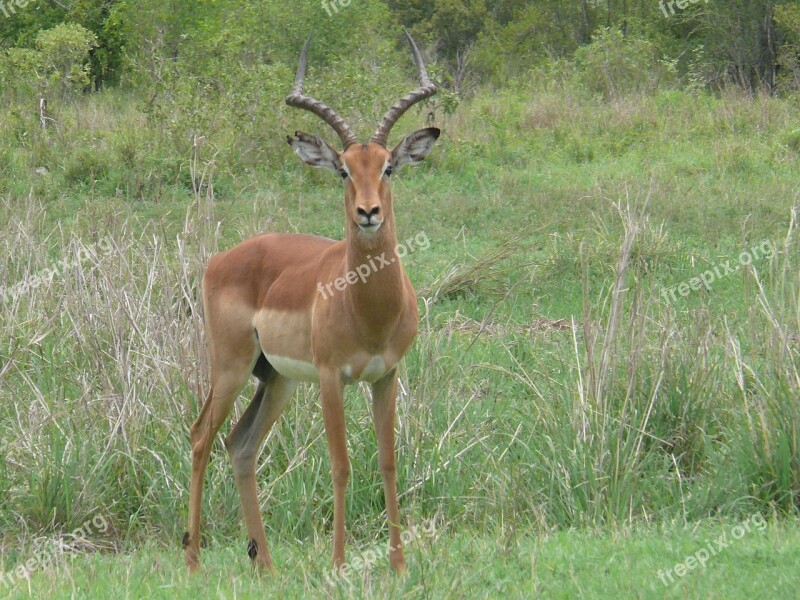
pixel 365 168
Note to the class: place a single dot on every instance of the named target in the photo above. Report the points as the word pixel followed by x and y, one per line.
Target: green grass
pixel 554 405
pixel 639 563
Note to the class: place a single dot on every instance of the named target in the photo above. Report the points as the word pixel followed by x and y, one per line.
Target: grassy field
pixel 569 425
pixel 449 564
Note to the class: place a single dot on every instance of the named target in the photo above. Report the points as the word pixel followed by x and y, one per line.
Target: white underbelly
pixel 299 370
pixel 375 369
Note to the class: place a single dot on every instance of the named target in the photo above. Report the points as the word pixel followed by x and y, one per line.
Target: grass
pixel 554 406
pixel 458 564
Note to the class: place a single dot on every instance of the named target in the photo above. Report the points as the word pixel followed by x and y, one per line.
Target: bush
pixel 64 51
pixel 615 65
pixel 787 18
pixel 18 67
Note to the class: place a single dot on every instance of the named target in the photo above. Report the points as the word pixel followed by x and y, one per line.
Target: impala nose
pixel 372 213
pixel 369 219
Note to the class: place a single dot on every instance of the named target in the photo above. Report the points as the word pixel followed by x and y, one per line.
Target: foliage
pixel 64 54
pixel 617 66
pixel 748 43
pixel 534 33
pixel 787 19
pixel 19 69
pixel 104 18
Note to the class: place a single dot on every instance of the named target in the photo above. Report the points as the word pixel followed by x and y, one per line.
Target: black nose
pixel 373 213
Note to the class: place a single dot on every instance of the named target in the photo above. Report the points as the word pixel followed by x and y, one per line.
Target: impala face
pixel 366 170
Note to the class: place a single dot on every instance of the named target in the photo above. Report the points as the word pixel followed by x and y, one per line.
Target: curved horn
pixel 323 111
pixel 426 90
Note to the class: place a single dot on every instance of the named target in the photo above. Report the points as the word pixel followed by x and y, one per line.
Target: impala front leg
pixel 384 399
pixel 333 417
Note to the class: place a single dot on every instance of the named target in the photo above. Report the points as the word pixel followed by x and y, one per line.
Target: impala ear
pixel 415 147
pixel 314 151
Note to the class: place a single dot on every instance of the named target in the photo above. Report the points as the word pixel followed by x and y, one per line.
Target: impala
pixel 265 315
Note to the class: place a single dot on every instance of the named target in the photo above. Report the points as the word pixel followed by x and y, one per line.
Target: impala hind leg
pixel 226 385
pixel 384 399
pixel 243 445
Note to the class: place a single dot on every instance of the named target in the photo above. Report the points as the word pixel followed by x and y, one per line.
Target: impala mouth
pixel 370 227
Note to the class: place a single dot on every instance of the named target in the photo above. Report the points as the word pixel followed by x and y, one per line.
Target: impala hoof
pixel 252 549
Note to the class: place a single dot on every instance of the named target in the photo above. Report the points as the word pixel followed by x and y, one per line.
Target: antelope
pixel 265 314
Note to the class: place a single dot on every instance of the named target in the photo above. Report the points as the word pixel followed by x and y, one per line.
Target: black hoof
pixel 252 549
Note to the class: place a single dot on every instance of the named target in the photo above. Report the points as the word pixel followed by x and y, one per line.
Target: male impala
pixel 265 314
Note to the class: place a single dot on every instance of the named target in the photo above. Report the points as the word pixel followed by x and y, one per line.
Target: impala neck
pixel 377 301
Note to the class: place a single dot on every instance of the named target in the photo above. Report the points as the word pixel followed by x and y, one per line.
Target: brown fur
pixel 263 297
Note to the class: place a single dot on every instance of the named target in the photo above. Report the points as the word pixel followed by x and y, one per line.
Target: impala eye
pixel 388 171
pixel 343 173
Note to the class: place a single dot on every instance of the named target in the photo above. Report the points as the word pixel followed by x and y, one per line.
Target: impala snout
pixel 369 217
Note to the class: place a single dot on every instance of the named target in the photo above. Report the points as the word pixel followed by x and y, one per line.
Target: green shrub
pixel 614 65
pixel 18 69
pixel 64 53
